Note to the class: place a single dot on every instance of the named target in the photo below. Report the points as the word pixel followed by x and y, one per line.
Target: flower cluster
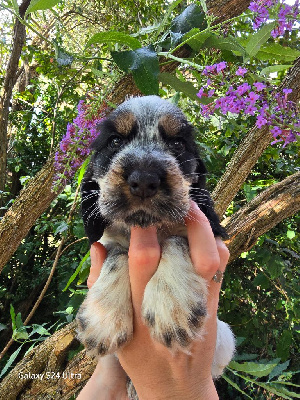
pixel 228 92
pixel 287 15
pixel 74 146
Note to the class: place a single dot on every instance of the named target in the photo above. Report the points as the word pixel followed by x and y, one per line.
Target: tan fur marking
pixel 124 122
pixel 171 124
pixel 179 185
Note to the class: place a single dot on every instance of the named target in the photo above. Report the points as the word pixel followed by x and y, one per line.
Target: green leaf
pixel 225 43
pixel 2 327
pixel 192 17
pixel 195 38
pixel 274 68
pixel 15 6
pixel 280 391
pixel 290 234
pixel 258 39
pixel 279 369
pixel 78 269
pixel 180 86
pixel 255 369
pixel 284 345
pixel 62 57
pixel 167 14
pixel 40 330
pixel 144 66
pixel 36 5
pixel 233 384
pixel 62 227
pixel 82 170
pixel 20 334
pixel 10 360
pixel 277 52
pixel 19 322
pixel 275 266
pixel 13 317
pixel 203 5
pixel 114 37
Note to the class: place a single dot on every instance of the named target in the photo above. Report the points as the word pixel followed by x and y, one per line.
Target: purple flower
pixel 241 89
pixel 222 65
pixel 206 110
pixel 252 97
pixel 254 6
pixel 259 86
pixel 260 121
pixel 209 69
pixel 200 93
pixel 241 71
pixel 250 110
pixel 275 131
pixel 74 146
pixel 219 102
pixel 263 101
pixel 287 15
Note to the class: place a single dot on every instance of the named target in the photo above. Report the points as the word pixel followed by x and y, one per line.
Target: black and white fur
pixel 144 170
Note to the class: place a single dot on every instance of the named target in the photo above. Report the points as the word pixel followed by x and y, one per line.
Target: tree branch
pixel 266 210
pixel 10 79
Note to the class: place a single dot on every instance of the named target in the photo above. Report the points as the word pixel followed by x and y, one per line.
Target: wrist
pixel 159 391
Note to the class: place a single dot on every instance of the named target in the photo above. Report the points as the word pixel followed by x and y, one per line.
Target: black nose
pixel 143 184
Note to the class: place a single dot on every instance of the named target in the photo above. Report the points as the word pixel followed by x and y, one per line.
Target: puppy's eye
pixel 177 145
pixel 115 142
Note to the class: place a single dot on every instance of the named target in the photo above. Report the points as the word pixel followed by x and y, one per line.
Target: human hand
pixel 155 372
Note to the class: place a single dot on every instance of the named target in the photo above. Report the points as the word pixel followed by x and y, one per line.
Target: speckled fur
pixel 156 140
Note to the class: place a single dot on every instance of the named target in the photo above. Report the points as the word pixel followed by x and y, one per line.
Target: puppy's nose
pixel 143 184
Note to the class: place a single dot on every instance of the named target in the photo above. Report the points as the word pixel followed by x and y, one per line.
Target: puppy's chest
pixel 116 235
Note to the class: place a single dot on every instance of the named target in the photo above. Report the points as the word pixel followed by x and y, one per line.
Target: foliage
pixel 81 66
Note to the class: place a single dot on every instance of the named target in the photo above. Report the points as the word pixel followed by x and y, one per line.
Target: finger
pixel 215 287
pixel 202 243
pixel 143 257
pixel 98 255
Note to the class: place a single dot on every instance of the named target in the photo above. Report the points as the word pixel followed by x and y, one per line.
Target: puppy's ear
pixel 201 196
pixel 94 223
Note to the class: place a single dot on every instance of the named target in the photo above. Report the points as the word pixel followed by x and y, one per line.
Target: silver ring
pixel 218 277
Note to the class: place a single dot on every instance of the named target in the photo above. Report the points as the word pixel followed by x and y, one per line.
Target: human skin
pixel 156 372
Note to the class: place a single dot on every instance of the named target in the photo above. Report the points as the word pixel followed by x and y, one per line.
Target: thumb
pixel 143 257
pixel 98 255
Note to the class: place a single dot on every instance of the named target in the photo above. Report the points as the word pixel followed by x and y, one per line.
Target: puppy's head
pixel 145 163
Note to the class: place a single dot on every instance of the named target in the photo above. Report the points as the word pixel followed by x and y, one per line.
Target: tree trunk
pixel 12 233
pixel 261 214
pixel 33 200
pixel 249 151
pixel 10 79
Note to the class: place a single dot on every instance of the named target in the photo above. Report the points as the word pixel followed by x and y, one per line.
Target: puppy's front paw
pixel 104 319
pixel 174 304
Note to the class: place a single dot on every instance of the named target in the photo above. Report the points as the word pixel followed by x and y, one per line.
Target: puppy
pixel 144 170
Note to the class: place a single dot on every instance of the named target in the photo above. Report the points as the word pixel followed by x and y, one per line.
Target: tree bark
pixel 33 200
pixel 251 148
pixel 11 234
pixel 10 79
pixel 229 8
pixel 265 211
